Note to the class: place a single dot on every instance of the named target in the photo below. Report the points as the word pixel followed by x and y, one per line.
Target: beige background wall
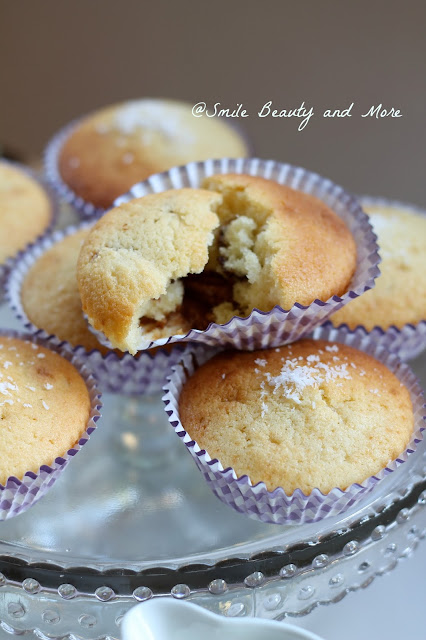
pixel 60 59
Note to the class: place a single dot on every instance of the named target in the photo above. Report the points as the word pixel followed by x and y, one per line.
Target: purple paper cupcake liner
pixel 278 326
pixel 124 374
pixel 407 341
pixel 276 507
pixel 53 176
pixel 19 494
pixel 5 267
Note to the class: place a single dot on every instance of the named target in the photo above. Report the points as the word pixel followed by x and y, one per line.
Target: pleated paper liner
pixel 5 267
pixel 278 326
pixel 84 208
pixel 19 494
pixel 127 375
pixel 276 507
pixel 409 340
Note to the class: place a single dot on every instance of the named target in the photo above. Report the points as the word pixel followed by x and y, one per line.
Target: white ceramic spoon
pixel 167 619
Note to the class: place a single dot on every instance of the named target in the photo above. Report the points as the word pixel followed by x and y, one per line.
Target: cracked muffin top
pixel 399 294
pixel 25 210
pixel 44 406
pixel 115 147
pixel 310 414
pixel 253 242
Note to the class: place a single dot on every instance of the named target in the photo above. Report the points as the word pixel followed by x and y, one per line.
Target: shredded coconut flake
pixel 295 378
pixel 7 387
pixel 261 362
pixel 151 117
pixel 46 406
pixel 332 348
pixel 41 355
pixel 101 128
pixel 48 386
pixel 128 158
pixel 74 162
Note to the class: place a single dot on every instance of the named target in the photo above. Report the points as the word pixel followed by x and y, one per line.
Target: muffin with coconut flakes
pixel 312 414
pixel 44 407
pixel 117 146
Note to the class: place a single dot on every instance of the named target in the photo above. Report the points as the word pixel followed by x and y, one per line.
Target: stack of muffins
pixel 242 254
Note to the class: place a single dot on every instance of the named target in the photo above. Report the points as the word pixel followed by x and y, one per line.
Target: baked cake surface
pixel 258 244
pixel 44 407
pixel 131 263
pixel 115 147
pixel 50 295
pixel 399 295
pixel 310 414
pixel 25 210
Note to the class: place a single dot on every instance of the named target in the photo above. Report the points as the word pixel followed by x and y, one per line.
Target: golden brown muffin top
pixel 25 210
pixel 287 246
pixel 137 252
pixel 399 294
pixel 115 147
pixel 50 296
pixel 44 407
pixel 273 245
pixel 310 414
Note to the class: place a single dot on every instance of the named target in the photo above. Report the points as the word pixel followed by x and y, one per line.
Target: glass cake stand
pixel 132 519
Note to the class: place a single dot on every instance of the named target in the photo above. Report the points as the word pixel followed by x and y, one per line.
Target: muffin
pixel 113 148
pixel 254 242
pixel 45 407
pixel 42 291
pixel 399 296
pixel 313 414
pixel 50 297
pixel 25 210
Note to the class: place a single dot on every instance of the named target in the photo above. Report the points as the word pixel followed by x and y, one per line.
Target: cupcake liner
pixel 407 341
pixel 6 266
pixel 51 168
pixel 124 374
pixel 278 326
pixel 276 507
pixel 18 494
